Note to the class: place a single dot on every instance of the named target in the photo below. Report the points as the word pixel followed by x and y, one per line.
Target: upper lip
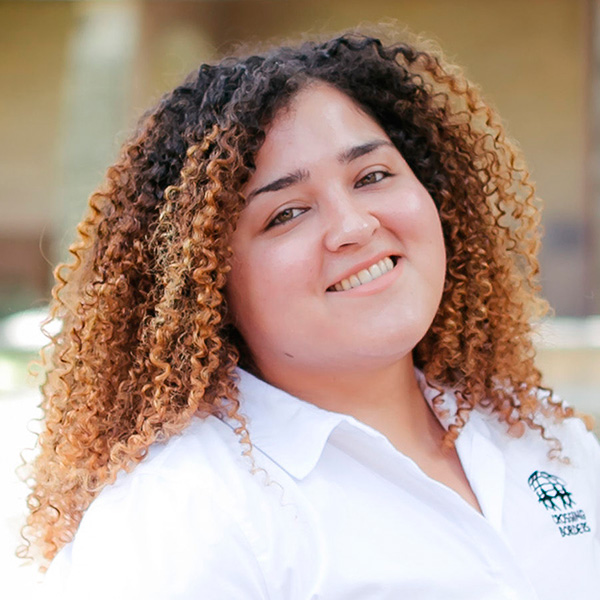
pixel 365 264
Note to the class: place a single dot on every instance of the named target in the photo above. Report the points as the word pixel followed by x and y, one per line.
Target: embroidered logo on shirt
pixel 553 494
pixel 550 490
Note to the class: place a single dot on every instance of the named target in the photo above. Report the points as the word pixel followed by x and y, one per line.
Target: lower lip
pixel 374 286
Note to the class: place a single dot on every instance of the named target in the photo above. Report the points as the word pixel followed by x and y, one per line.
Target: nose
pixel 348 223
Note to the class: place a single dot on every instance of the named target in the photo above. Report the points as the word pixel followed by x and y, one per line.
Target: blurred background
pixel 75 75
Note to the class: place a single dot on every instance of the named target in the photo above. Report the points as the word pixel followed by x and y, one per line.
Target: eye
pixel 373 177
pixel 285 215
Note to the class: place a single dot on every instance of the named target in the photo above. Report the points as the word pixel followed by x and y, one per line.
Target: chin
pixel 372 357
pixel 384 342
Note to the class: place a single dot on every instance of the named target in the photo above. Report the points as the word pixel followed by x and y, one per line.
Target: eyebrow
pixel 344 157
pixel 347 156
pixel 286 181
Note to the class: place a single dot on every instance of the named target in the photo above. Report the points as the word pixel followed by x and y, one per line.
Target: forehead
pixel 319 121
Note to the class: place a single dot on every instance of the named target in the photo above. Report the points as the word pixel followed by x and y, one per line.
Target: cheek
pixel 417 224
pixel 415 218
pixel 434 254
pixel 284 264
pixel 266 279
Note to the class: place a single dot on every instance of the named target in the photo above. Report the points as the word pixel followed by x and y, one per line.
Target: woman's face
pixel 339 258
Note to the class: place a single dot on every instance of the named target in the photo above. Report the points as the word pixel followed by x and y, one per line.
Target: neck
pixel 388 399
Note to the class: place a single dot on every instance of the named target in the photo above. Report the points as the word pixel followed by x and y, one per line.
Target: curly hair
pixel 145 343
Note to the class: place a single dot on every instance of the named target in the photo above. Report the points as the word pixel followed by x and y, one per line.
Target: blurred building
pixel 75 75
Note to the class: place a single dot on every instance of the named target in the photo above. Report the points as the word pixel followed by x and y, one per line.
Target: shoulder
pixel 204 463
pixel 561 451
pixel 197 457
pixel 576 442
pixel 173 527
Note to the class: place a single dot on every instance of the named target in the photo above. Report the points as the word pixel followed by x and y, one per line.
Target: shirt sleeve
pixel 149 540
pixel 585 445
pixel 594 453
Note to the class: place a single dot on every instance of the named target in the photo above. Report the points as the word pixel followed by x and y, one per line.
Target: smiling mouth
pixel 381 267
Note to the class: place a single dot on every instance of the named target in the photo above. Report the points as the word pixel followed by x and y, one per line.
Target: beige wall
pixel 528 56
pixel 33 52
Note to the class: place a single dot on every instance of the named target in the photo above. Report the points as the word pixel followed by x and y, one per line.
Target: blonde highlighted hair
pixel 145 343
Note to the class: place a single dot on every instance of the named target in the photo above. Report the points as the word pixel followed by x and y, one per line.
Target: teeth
pixel 364 276
pixel 377 270
pixel 354 281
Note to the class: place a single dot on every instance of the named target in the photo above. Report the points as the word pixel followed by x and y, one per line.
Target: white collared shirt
pixel 335 512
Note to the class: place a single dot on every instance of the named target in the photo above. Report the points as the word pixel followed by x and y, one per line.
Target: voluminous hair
pixel 145 343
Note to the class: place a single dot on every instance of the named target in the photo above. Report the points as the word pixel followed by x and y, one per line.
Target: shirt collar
pixel 293 432
pixel 444 400
pixel 290 431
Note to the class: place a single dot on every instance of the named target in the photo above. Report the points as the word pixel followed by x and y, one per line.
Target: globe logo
pixel 550 490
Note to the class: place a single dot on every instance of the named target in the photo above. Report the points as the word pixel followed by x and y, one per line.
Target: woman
pixel 347 222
